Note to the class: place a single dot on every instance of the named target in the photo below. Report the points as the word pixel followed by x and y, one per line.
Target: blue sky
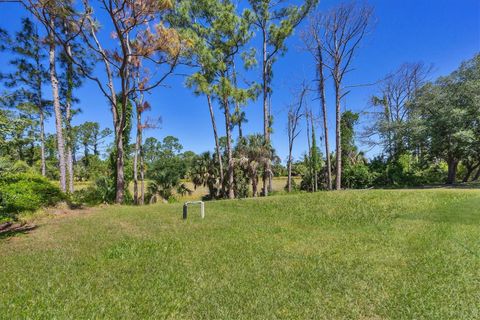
pixel 439 32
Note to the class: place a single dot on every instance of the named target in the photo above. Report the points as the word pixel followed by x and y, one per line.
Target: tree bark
pixel 120 178
pixel 138 143
pixel 215 135
pixel 289 169
pixel 323 102
pixel 452 171
pixel 307 114
pixel 266 115
pixel 314 157
pixel 41 113
pixel 338 135
pixel 42 143
pixel 231 194
pixel 57 108
pixel 142 176
pixel 68 120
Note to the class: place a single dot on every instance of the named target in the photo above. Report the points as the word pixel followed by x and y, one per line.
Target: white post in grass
pixel 185 208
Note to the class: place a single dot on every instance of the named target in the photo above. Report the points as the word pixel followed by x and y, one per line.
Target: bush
pixel 407 171
pixel 101 191
pixel 357 176
pixel 26 192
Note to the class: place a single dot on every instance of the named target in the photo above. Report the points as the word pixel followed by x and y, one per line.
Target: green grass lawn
pixel 408 254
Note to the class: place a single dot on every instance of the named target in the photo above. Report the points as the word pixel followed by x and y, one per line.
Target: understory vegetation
pixel 378 254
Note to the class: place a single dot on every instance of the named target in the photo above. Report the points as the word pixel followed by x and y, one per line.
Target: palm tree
pixel 252 154
pixel 205 172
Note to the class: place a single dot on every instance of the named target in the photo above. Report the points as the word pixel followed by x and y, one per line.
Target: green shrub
pixel 101 191
pixel 357 176
pixel 26 192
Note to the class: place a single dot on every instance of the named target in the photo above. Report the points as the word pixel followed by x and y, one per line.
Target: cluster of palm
pixel 251 154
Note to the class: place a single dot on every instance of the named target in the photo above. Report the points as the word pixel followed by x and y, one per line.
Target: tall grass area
pixel 408 254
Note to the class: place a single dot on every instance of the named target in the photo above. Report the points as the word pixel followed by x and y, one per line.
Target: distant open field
pixel 377 254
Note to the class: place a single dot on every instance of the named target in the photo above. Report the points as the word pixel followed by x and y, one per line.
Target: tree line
pixel 420 126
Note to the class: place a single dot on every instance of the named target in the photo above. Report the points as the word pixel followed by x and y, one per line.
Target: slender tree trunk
pixel 68 120
pixel 120 178
pixel 142 176
pixel 323 102
pixel 289 168
pixel 42 143
pixel 452 170
pixel 338 135
pixel 231 193
pixel 215 135
pixel 266 116
pixel 70 169
pixel 57 109
pixel 40 106
pixel 314 156
pixel 307 115
pixel 137 155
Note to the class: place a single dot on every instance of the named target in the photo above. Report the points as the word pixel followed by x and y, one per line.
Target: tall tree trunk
pixel 142 176
pixel 120 178
pixel 231 194
pixel 314 156
pixel 289 168
pixel 42 143
pixel 323 102
pixel 307 115
pixel 70 169
pixel 215 135
pixel 68 120
pixel 266 116
pixel 41 110
pixel 338 134
pixel 452 170
pixel 138 143
pixel 57 108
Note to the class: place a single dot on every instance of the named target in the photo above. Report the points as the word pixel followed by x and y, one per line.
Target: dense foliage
pixel 21 192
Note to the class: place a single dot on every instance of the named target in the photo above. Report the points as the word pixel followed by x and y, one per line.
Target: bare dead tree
pixel 345 27
pixel 294 116
pixel 313 38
